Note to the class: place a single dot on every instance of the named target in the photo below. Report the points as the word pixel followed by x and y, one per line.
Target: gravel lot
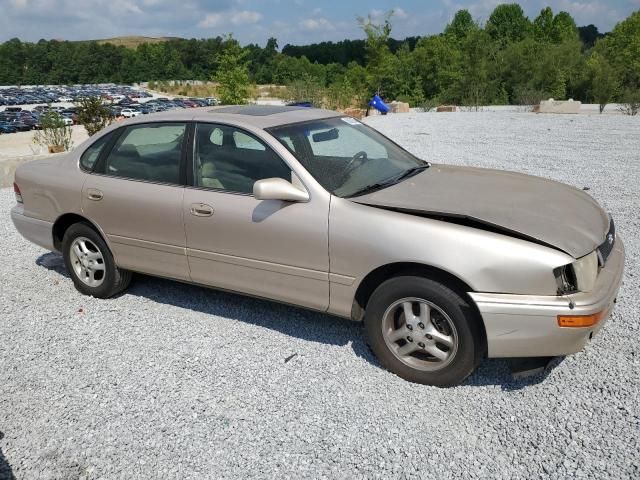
pixel 174 381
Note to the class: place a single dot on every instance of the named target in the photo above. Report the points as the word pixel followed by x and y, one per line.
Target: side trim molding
pixel 160 247
pixel 259 264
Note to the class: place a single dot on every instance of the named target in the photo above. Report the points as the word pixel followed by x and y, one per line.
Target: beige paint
pixel 314 253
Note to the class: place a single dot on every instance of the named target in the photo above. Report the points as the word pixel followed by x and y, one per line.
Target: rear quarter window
pixel 91 154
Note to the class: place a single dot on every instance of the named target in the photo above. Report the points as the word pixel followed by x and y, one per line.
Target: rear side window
pixel 91 154
pixel 150 152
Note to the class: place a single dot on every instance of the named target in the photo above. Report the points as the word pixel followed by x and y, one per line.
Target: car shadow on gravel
pixel 6 473
pixel 53 261
pixel 288 320
pixel 500 372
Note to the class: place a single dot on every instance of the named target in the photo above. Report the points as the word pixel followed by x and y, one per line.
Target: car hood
pixel 534 208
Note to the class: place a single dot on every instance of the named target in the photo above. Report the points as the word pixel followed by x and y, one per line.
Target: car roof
pixel 260 116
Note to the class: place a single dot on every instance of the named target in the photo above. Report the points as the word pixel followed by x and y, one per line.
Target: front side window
pixel 91 154
pixel 150 152
pixel 347 157
pixel 227 158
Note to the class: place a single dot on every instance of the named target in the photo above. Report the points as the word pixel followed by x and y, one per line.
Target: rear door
pixel 135 197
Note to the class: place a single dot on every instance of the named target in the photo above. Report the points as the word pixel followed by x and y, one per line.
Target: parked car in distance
pixel 6 127
pixel 444 264
pixel 129 113
pixel 19 125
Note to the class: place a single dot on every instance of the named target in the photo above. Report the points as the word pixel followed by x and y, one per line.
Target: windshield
pixel 347 157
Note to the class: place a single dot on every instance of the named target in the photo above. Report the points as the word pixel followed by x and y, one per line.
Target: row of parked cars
pixel 129 107
pixel 17 119
pixel 122 100
pixel 69 93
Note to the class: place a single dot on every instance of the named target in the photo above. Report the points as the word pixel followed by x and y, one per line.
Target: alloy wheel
pixel 87 262
pixel 420 334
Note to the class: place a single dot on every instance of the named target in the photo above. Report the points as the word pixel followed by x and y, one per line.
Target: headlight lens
pixel 579 276
pixel 586 271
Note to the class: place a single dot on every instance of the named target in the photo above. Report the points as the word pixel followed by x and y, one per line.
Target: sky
pixel 254 21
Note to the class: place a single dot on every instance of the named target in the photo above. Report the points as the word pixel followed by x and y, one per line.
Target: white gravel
pixel 173 381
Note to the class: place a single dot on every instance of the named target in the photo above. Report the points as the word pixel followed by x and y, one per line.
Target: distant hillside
pixel 133 41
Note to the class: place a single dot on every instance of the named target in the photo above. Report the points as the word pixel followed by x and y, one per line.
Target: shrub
pixel 93 114
pixel 53 133
pixel 630 102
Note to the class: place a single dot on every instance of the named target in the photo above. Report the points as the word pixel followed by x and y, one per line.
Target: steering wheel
pixel 357 160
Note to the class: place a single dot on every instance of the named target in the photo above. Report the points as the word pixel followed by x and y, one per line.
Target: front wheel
pixel 423 331
pixel 90 263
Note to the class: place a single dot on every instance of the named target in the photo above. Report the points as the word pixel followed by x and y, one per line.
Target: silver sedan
pixel 444 265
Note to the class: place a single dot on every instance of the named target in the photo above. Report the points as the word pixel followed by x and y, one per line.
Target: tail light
pixel 16 190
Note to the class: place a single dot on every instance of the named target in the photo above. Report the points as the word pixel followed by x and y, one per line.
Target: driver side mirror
pixel 278 189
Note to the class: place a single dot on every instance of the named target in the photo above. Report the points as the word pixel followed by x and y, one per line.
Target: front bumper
pixel 527 326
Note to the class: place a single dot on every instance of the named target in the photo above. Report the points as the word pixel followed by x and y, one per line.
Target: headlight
pixel 566 279
pixel 579 276
pixel 586 271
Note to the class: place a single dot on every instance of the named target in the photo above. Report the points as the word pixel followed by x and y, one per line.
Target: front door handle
pixel 201 210
pixel 94 194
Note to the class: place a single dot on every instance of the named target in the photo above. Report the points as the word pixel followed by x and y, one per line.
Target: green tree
pixel 477 85
pixel 508 23
pixel 409 82
pixel 543 25
pixel 589 34
pixel 564 28
pixel 233 74
pixel 439 62
pixel 461 25
pixel 621 48
pixel 604 83
pixel 379 59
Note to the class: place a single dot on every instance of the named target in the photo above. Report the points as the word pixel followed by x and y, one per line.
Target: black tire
pixel 469 336
pixel 114 280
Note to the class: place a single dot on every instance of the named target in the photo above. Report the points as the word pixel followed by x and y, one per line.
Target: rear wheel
pixel 423 331
pixel 90 263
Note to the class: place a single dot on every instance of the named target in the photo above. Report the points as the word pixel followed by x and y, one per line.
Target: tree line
pixel 510 59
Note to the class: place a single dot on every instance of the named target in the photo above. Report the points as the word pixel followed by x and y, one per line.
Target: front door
pixel 270 248
pixel 135 197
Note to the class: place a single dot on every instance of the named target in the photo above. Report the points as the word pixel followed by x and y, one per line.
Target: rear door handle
pixel 201 210
pixel 94 194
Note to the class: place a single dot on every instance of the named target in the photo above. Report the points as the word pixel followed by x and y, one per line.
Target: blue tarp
pixel 377 103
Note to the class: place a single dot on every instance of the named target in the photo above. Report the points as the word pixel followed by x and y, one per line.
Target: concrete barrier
pixel 399 107
pixel 558 106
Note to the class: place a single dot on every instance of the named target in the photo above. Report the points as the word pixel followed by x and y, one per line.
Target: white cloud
pixel 128 7
pixel 400 14
pixel 316 24
pixel 233 17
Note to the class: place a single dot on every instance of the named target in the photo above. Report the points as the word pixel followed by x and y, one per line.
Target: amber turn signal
pixel 579 320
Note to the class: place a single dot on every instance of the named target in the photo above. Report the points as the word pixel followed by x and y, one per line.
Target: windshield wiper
pixel 391 181
pixel 412 171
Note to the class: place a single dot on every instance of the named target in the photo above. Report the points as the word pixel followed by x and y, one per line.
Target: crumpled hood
pixel 544 210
